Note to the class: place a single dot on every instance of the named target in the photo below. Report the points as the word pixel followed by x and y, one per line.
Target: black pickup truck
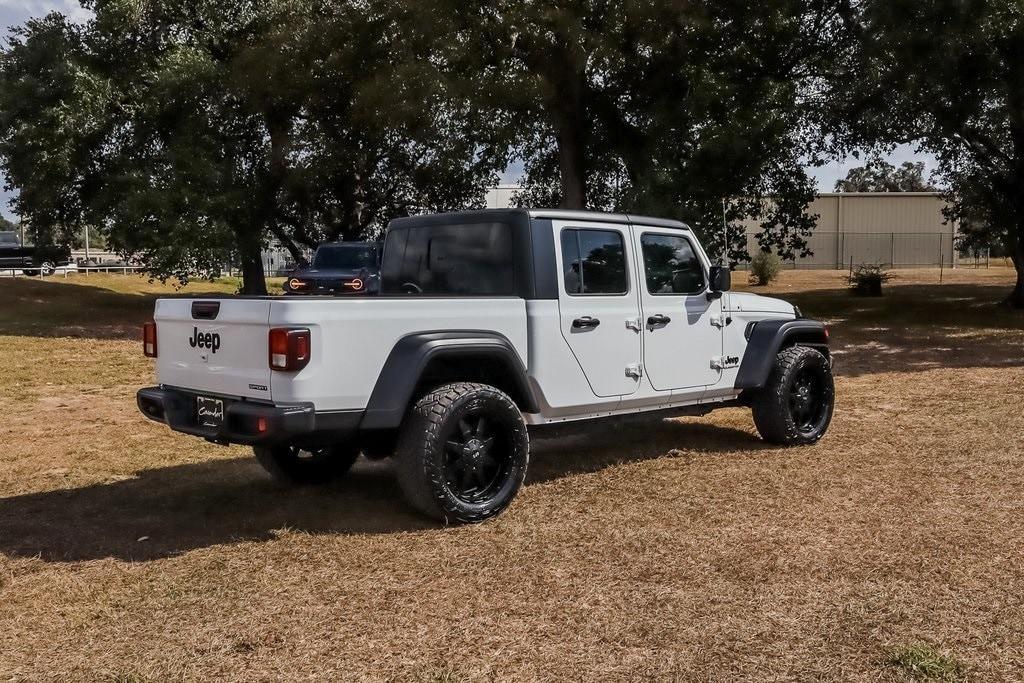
pixel 339 268
pixel 29 260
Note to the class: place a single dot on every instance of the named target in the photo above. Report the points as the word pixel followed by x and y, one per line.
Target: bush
pixel 867 279
pixel 764 267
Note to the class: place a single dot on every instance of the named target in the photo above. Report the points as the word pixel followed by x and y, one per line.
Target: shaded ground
pixel 690 551
pixel 98 305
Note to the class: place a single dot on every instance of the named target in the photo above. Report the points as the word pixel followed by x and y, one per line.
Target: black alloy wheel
pixel 806 401
pixel 796 404
pixel 462 453
pixel 476 459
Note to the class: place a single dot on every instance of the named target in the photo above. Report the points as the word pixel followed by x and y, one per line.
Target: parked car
pixel 30 260
pixel 489 322
pixel 339 268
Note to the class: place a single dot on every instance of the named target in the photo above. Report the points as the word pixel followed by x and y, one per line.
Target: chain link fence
pixel 839 250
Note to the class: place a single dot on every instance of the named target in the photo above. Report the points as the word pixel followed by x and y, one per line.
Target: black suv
pixel 339 268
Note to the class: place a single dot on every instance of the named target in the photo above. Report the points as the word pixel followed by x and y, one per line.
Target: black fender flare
pixel 412 354
pixel 767 337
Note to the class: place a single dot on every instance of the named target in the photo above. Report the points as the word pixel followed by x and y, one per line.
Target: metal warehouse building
pixel 898 229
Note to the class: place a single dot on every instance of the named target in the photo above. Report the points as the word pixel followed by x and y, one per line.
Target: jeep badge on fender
pixel 487 324
pixel 204 340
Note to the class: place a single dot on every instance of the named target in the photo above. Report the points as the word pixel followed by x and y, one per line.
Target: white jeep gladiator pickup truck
pixel 487 322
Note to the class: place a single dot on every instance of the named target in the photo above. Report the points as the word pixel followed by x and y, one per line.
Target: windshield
pixel 345 257
pixel 8 238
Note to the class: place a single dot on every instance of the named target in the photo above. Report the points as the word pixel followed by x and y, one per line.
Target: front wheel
pixel 462 453
pixel 305 466
pixel 795 407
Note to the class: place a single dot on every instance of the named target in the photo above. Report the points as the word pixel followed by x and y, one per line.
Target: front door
pixel 597 305
pixel 682 327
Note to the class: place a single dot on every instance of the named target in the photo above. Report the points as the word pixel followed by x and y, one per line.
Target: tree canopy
pixel 947 75
pixel 658 107
pixel 878 175
pixel 191 134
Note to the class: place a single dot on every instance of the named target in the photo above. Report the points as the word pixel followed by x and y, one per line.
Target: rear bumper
pixel 247 422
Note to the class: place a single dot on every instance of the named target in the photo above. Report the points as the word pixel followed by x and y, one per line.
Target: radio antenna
pixel 724 258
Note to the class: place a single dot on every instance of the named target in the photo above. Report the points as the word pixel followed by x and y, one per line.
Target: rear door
pixel 598 307
pixel 214 346
pixel 682 327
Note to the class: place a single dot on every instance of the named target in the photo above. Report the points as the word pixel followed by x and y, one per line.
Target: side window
pixel 594 262
pixel 671 265
pixel 473 259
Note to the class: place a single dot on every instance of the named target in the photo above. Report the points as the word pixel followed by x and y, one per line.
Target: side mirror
pixel 720 281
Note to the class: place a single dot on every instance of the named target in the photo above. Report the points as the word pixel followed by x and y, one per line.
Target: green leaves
pixel 947 75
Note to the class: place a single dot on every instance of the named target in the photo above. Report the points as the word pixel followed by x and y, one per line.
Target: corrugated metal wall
pixel 899 229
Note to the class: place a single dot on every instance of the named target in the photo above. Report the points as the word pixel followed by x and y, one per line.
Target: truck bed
pixel 351 339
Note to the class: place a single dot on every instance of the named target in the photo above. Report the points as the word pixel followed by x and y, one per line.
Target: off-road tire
pixel 424 461
pixel 303 467
pixel 778 407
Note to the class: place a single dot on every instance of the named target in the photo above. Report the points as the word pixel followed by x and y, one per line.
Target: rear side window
pixel 471 259
pixel 671 265
pixel 594 262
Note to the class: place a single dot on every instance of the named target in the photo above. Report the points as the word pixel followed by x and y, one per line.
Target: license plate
pixel 209 411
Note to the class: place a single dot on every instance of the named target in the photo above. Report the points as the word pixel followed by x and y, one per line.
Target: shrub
pixel 867 279
pixel 764 267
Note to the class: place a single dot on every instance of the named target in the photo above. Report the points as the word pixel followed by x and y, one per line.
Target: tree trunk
pixel 254 282
pixel 572 129
pixel 1016 298
pixel 572 165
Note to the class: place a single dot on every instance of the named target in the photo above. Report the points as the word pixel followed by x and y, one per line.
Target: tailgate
pixel 215 346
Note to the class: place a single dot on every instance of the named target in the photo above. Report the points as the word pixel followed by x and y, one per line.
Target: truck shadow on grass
pixel 168 511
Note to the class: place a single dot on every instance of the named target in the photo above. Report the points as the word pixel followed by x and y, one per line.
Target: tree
pixel 43 141
pixel 212 127
pixel 7 226
pixel 963 101
pixel 657 107
pixel 878 175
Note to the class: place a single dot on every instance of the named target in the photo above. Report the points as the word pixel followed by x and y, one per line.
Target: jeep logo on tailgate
pixel 204 340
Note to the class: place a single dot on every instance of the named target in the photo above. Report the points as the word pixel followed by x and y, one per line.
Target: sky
pixel 16 12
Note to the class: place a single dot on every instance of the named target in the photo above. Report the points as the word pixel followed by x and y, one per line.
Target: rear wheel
pixel 795 407
pixel 462 453
pixel 306 466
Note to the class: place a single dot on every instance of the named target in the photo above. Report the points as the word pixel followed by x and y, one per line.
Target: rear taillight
pixel 355 284
pixel 289 348
pixel 149 339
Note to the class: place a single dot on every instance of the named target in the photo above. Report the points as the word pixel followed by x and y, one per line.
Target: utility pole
pixel 87 243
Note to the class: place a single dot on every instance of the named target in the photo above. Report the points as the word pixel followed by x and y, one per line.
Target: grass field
pixel 692 551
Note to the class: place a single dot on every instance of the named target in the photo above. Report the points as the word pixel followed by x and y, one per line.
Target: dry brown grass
pixel 688 552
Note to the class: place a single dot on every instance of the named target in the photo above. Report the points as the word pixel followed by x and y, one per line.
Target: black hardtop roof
pixel 375 245
pixel 514 215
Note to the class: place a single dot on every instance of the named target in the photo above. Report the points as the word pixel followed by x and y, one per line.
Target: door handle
pixel 585 323
pixel 659 319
